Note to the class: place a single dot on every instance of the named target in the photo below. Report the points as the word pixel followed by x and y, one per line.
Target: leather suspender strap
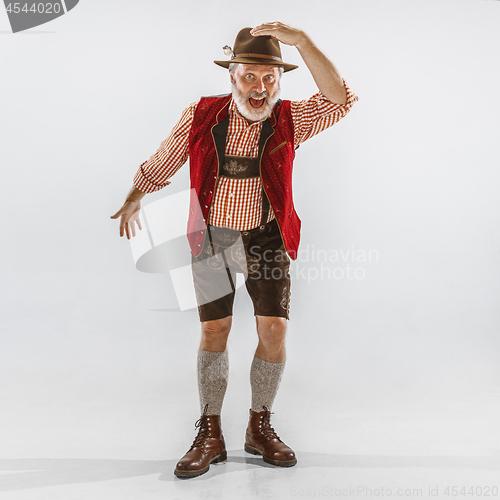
pixel 220 136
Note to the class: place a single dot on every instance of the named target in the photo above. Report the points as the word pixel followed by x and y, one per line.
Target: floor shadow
pixel 26 473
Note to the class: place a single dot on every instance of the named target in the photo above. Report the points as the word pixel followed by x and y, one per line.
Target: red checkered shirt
pixel 238 202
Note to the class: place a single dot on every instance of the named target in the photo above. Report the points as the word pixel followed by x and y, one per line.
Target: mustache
pixel 257 95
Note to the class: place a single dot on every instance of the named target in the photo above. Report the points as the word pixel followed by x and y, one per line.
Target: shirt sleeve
pixel 173 152
pixel 313 115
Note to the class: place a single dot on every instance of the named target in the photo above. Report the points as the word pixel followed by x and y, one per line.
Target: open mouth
pixel 256 102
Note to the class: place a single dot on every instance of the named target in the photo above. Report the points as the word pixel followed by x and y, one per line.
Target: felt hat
pixel 249 49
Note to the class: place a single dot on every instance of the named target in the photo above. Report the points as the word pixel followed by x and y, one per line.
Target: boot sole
pixel 279 463
pixel 194 473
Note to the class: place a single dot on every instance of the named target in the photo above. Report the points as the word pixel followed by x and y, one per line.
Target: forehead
pixel 258 69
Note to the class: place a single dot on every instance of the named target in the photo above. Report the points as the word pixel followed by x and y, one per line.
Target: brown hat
pixel 249 49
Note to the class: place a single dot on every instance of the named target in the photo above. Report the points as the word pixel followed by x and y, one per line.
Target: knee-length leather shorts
pixel 259 254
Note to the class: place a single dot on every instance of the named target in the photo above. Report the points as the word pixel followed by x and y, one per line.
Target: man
pixel 241 149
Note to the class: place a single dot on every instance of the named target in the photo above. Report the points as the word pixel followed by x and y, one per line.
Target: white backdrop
pixel 411 174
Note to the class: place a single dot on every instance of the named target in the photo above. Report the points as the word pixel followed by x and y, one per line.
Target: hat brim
pixel 252 60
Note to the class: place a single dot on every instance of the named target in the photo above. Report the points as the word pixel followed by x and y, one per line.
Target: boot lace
pixel 202 426
pixel 267 430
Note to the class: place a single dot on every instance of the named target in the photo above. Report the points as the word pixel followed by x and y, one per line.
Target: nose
pixel 261 86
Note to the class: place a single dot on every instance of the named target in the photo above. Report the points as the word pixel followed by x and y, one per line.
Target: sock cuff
pixel 270 364
pixel 211 362
pixel 212 355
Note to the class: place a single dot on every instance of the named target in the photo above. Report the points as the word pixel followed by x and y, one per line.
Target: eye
pixel 270 78
pixel 249 76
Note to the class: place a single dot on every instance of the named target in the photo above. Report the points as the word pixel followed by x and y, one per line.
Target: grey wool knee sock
pixel 265 378
pixel 213 371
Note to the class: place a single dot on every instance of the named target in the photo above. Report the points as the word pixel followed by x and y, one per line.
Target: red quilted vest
pixel 275 169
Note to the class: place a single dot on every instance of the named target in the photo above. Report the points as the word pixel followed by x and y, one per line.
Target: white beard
pixel 245 108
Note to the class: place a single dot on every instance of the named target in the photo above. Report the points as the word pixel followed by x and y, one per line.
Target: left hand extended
pixel 283 32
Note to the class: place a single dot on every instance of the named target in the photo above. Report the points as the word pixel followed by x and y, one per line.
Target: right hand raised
pixel 129 214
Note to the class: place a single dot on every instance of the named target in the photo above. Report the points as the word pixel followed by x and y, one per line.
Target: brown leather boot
pixel 208 447
pixel 261 439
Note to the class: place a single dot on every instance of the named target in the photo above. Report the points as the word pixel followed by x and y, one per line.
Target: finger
pixel 261 31
pixel 262 27
pixel 269 23
pixel 116 215
pixel 255 28
pixel 269 32
pixel 269 28
pixel 124 226
pixel 132 228
pixel 273 24
pixel 138 222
